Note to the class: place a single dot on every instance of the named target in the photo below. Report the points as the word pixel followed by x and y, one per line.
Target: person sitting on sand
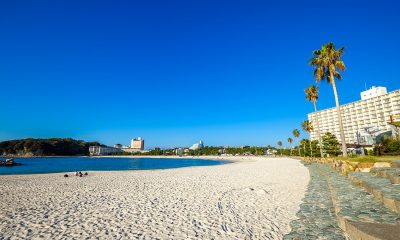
pixel 65 175
pixel 80 174
pixel 86 174
pixel 76 174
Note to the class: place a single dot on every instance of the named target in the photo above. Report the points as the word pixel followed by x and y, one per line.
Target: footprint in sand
pixel 261 192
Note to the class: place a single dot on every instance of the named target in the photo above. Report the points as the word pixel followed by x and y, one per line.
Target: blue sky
pixel 175 72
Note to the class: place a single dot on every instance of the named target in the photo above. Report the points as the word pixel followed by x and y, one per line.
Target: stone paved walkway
pixel 317 219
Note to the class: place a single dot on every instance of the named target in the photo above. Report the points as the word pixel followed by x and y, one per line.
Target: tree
pixel 296 134
pixel 327 61
pixel 290 140
pixel 387 146
pixel 49 147
pixel 280 146
pixel 304 143
pixel 315 145
pixel 312 96
pixel 330 144
pixel 307 126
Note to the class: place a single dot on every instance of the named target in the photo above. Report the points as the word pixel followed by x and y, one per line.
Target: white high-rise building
pixel 372 112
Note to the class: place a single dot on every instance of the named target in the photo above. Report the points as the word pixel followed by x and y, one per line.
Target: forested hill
pixel 46 147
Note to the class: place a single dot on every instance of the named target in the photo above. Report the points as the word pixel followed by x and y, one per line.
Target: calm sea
pixel 61 165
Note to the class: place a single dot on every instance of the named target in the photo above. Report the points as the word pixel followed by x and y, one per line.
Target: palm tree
pixel 296 134
pixel 327 61
pixel 303 142
pixel 307 126
pixel 290 140
pixel 280 145
pixel 312 96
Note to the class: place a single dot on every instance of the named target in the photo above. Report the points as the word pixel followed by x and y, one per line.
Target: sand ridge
pixel 246 200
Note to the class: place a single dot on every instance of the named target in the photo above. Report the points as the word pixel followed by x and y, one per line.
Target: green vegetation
pixel 330 144
pixel 369 159
pixel 327 61
pixel 212 151
pixel 388 146
pixel 280 146
pixel 46 147
pixel 397 124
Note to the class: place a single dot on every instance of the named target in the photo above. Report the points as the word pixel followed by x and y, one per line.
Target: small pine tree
pixel 330 144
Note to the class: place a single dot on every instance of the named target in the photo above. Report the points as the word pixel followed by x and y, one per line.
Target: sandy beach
pixel 253 198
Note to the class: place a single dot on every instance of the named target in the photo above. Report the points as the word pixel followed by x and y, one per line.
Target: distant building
pixel 118 145
pixel 270 152
pixel 137 143
pixel 221 151
pixel 101 150
pixel 179 151
pixel 364 120
pixel 197 146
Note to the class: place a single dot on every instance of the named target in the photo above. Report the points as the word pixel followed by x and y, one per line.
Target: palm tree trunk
pixel 342 138
pixel 318 130
pixel 299 152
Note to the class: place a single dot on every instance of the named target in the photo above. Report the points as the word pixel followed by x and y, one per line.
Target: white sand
pixel 244 200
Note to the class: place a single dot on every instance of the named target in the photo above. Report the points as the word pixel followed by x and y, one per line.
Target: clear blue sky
pixel 175 72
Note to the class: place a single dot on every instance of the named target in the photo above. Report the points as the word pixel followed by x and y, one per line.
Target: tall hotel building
pixel 137 143
pixel 362 120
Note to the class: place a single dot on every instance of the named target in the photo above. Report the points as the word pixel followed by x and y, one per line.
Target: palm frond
pixel 337 75
pixel 296 133
pixel 327 60
pixel 340 65
pixel 311 93
pixel 307 126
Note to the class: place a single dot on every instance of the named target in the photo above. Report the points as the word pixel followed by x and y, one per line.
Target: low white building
pixel 197 146
pixel 102 150
pixel 179 151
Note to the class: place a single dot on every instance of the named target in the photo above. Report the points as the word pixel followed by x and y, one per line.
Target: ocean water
pixel 73 164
